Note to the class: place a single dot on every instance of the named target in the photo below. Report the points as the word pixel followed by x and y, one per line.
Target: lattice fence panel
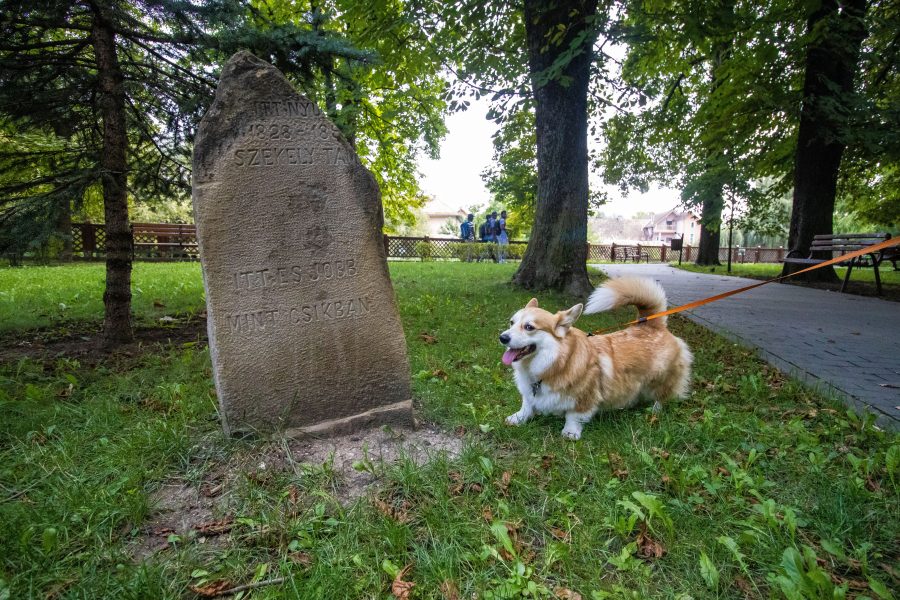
pixel 77 241
pixel 165 241
pixel 599 252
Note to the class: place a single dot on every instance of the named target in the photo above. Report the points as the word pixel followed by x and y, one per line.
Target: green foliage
pixel 386 96
pixel 425 250
pixel 713 107
pixel 391 105
pixel 712 99
pixel 512 179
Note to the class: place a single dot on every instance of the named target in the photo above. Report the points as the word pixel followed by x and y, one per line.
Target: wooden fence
pixel 173 241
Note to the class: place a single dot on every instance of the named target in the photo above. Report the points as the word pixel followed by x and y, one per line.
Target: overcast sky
pixel 455 179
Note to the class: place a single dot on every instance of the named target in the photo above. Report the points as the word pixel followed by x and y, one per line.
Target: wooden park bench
pixel 828 244
pixel 633 253
pixel 165 241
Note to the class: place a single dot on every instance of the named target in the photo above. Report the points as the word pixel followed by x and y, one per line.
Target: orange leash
pixel 843 258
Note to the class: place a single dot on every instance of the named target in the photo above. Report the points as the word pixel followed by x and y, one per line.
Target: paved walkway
pixel 840 343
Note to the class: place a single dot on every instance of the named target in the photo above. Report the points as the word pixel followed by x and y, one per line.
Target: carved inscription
pixel 326 311
pixel 259 320
pixel 331 310
pixel 256 279
pixel 286 108
pixel 292 156
pixel 288 130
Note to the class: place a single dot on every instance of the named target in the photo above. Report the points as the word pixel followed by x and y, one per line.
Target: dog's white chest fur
pixel 541 398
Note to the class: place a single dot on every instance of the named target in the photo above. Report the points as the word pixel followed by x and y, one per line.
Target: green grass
pixel 57 295
pixel 766 271
pixel 754 486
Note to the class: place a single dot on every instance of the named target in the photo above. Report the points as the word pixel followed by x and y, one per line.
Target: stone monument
pixel 304 332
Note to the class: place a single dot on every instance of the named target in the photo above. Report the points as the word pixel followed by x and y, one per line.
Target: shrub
pixel 424 250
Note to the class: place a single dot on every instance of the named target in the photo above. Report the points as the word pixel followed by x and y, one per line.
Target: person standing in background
pixel 467 235
pixel 491 230
pixel 502 236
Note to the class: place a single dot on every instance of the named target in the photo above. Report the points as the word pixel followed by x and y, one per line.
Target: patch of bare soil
pixel 84 343
pixel 354 463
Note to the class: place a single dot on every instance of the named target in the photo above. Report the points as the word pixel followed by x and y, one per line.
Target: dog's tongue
pixel 509 356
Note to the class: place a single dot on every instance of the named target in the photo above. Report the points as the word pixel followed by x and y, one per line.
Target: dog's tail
pixel 647 295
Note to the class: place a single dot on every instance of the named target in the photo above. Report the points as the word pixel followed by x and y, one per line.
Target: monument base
pixel 399 414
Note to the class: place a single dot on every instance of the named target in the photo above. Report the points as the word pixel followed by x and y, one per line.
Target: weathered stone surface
pixel 303 325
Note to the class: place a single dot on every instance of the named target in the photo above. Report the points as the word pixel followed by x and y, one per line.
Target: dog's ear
pixel 567 318
pixel 531 303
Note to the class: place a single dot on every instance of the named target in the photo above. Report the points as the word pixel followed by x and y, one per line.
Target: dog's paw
pixel 515 419
pixel 571 434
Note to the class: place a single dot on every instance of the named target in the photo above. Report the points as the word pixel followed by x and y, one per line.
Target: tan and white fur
pixel 561 370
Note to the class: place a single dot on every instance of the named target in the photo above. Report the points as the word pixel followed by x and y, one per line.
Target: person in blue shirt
pixel 490 229
pixel 467 235
pixel 467 229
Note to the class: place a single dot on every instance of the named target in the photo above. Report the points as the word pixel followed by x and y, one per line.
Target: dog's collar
pixel 536 387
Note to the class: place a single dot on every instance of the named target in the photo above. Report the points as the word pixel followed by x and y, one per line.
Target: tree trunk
pixel 710 229
pixel 556 257
pixel 117 297
pixel 831 62
pixel 713 202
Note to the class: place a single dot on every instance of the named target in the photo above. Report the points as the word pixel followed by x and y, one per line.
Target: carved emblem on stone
pixel 317 237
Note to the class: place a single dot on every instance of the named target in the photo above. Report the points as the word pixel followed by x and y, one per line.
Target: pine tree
pixel 122 85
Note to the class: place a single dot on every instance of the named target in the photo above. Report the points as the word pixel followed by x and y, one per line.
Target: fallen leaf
pixel 440 374
pixel 400 588
pixel 215 527
pixel 853 584
pixel 293 500
pixel 663 454
pixel 566 594
pixel 58 588
pixel 211 590
pixel 744 586
pixel 504 483
pixel 456 483
pixel 427 338
pixel 890 571
pixel 647 546
pixel 617 465
pixel 209 490
pixel 397 513
pixel 301 558
pixel 723 471
pixel 560 534
pixel 449 590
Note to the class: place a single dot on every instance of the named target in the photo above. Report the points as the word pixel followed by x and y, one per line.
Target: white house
pixel 662 227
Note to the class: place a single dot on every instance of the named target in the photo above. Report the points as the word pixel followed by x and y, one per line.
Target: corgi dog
pixel 560 369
